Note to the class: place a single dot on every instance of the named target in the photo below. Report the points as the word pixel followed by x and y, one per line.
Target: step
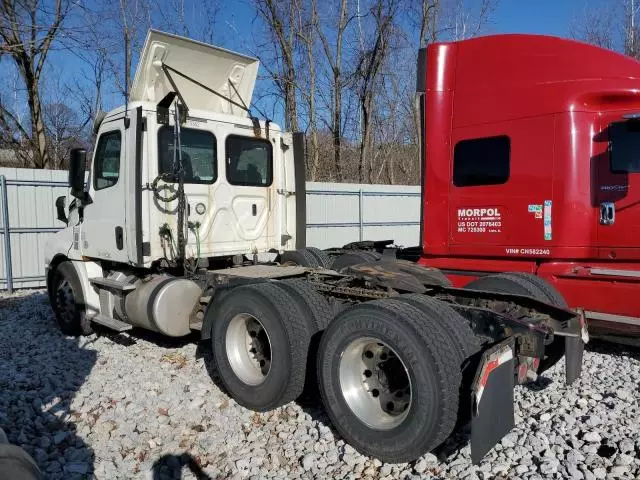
pixel 111 323
pixel 110 284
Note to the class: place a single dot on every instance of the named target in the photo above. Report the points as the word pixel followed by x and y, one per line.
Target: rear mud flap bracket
pixel 492 414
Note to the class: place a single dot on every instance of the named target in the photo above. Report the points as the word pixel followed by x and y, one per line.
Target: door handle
pixel 607 213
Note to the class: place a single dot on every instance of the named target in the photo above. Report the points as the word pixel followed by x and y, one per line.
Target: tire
pixel 317 308
pixel 324 260
pixel 465 341
pixel 302 257
pixel 310 301
pixel 67 301
pixel 553 296
pixel 468 346
pixel 279 326
pixel 354 258
pixel 527 284
pixel 431 371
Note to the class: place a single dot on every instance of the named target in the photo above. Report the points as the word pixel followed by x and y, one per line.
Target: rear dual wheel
pixel 519 283
pixel 311 257
pixel 389 376
pixel 261 338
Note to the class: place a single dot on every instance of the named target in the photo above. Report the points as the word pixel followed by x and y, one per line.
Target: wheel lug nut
pixel 367 373
pixel 375 392
pixel 368 354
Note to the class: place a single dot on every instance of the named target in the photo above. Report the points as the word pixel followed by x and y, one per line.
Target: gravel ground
pixel 109 406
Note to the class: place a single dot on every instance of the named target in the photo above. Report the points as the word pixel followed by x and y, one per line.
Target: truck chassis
pixel 398 355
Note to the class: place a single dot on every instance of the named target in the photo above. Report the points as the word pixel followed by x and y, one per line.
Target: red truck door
pixel 617 189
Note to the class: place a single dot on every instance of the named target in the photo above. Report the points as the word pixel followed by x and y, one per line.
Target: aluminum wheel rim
pixel 248 349
pixel 66 302
pixel 375 383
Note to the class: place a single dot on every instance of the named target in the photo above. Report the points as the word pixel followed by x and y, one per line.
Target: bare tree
pixel 613 26
pixel 596 26
pixel 369 69
pixel 64 131
pixel 308 22
pixel 280 19
pixel 28 30
pixel 334 59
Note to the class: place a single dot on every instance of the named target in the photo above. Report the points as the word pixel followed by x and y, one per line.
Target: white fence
pixel 336 214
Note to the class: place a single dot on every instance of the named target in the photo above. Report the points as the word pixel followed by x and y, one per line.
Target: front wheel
pixel 67 301
pixel 389 387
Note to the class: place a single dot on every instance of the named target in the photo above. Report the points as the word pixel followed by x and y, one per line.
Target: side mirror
pixel 77 167
pixel 60 207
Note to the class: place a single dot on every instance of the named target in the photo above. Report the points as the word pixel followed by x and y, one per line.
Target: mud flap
pixel 573 351
pixel 492 398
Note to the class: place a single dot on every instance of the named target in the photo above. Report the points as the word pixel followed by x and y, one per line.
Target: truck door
pixel 110 224
pixel 617 189
pixel 103 228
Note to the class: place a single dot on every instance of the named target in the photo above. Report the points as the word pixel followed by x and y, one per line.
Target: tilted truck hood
pixel 211 66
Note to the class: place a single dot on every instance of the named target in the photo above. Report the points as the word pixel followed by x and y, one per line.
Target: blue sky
pixel 235 28
pixel 547 17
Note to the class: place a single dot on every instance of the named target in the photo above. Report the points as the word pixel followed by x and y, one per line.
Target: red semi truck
pixel 531 155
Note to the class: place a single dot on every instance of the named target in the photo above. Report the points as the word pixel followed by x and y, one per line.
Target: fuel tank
pixel 162 303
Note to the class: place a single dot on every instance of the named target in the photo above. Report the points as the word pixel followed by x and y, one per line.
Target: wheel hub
pixel 248 349
pixel 375 383
pixel 65 302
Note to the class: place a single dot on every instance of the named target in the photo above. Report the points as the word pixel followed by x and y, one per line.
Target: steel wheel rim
pixel 66 302
pixel 248 349
pixel 375 383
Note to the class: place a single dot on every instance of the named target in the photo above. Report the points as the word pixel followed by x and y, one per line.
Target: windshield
pixel 198 154
pixel 624 147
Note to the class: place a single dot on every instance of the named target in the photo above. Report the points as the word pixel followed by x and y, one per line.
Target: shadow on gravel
pixel 170 467
pixel 130 337
pixel 203 350
pixel 609 348
pixel 540 384
pixel 40 372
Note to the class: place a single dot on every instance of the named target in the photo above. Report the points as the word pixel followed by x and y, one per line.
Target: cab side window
pixel 106 164
pixel 481 161
pixel 249 161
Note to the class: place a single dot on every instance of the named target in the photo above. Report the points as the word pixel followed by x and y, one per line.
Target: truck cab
pixel 531 164
pixel 238 172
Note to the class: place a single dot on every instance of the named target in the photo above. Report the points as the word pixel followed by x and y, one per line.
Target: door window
pixel 198 154
pixel 249 161
pixel 624 147
pixel 106 165
pixel 481 161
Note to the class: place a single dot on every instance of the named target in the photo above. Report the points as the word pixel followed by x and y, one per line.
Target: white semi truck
pixel 193 218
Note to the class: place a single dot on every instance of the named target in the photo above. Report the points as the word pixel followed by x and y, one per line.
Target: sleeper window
pixel 198 154
pixel 481 161
pixel 249 161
